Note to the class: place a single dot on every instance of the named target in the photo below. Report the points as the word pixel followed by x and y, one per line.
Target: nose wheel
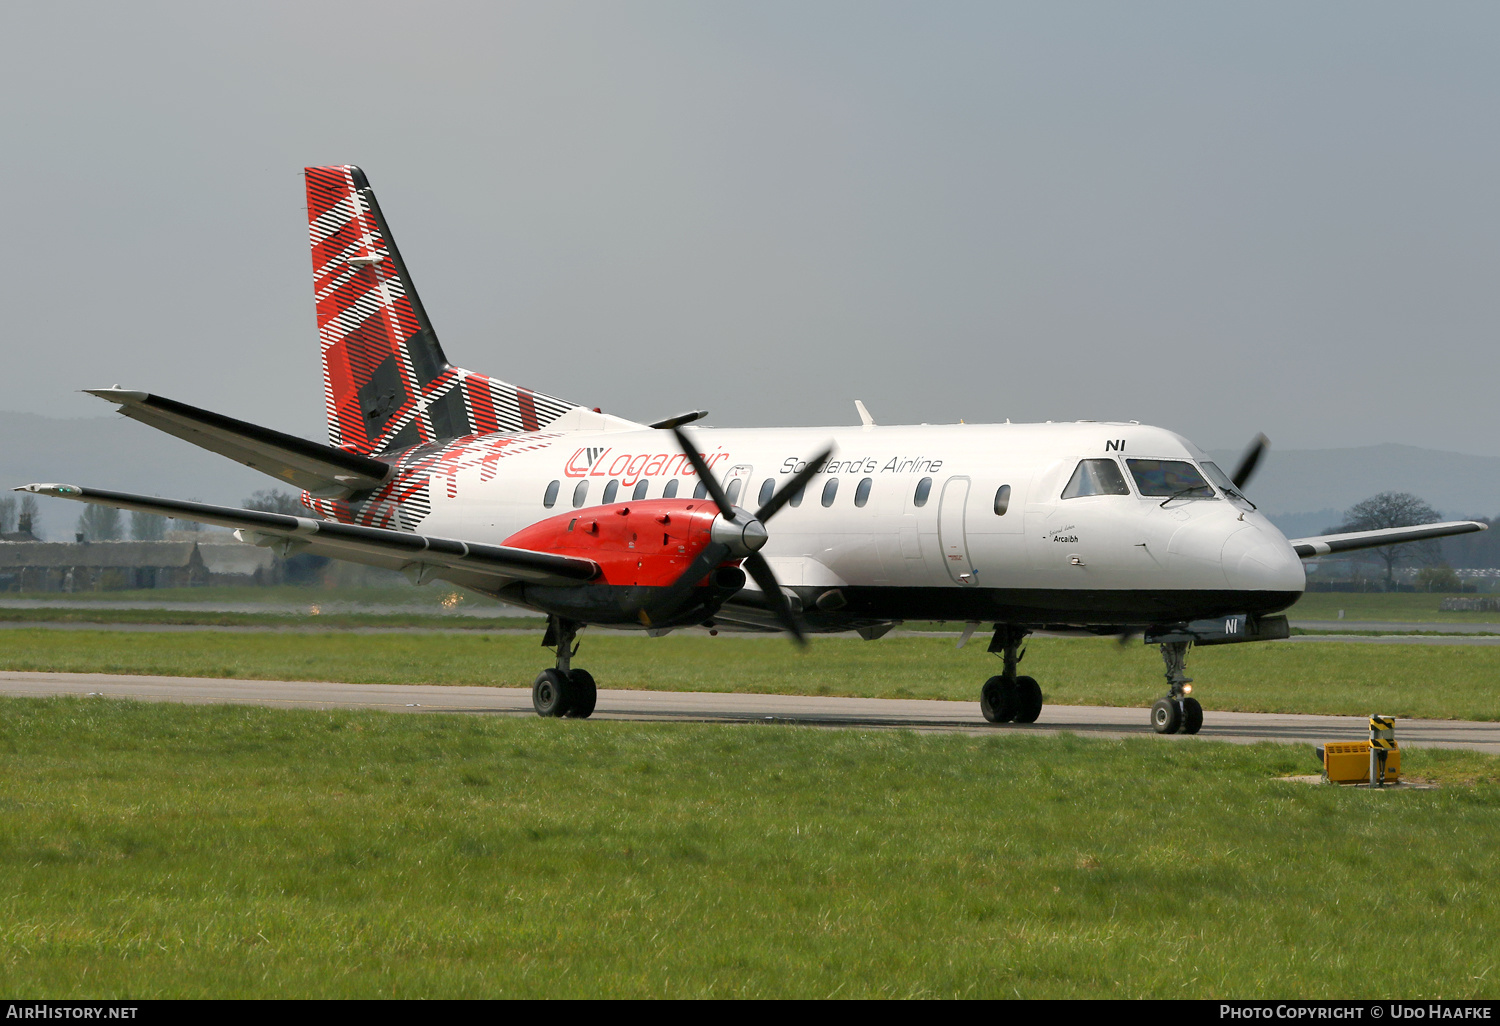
pixel 1178 713
pixel 563 691
pixel 1006 697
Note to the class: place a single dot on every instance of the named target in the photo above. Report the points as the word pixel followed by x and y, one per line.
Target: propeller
pixel 1250 461
pixel 738 533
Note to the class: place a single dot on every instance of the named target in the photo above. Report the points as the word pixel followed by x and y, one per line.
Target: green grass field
pixel 177 851
pixel 1457 682
pixel 82 613
pixel 1395 606
pixel 437 595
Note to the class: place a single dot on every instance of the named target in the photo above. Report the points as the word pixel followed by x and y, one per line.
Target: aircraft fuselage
pixel 959 522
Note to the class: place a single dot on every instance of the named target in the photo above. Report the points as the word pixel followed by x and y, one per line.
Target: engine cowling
pixel 646 543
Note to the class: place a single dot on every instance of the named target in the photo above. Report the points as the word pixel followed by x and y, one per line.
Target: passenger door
pixel 737 487
pixel 952 541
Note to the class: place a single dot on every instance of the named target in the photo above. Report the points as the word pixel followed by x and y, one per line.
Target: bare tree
pixel 1395 509
pixel 7 514
pixel 147 526
pixel 99 523
pixel 30 510
pixel 272 500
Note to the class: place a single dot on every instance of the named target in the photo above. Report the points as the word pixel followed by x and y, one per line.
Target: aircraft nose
pixel 1259 559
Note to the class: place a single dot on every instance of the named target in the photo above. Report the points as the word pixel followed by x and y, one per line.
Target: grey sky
pixel 1218 218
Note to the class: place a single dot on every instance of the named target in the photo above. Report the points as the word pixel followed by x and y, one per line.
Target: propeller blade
pixel 677 592
pixel 1250 460
pixel 701 468
pixel 799 480
pixel 766 578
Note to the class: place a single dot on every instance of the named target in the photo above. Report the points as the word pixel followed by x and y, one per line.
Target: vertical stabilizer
pixel 386 382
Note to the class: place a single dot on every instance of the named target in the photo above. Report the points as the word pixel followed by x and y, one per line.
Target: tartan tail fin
pixel 387 384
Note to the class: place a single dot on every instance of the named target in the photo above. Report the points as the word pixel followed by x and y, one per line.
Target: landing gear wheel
pixel 997 700
pixel 1166 716
pixel 1028 700
pixel 551 695
pixel 585 694
pixel 1192 716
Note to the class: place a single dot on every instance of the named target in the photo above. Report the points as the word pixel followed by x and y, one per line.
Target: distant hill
pixel 1315 481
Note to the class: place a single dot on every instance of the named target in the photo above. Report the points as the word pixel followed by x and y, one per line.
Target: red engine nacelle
pixel 635 543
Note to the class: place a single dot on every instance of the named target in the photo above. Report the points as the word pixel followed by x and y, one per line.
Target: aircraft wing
pixel 323 470
pixel 374 545
pixel 1326 544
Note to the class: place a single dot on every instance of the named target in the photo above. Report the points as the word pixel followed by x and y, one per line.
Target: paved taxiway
pixel 704 707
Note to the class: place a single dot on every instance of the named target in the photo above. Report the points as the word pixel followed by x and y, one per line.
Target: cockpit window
pixel 1223 480
pixel 1173 479
pixel 1096 477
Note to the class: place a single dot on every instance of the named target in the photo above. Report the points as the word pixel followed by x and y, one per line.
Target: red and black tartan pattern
pixel 405 501
pixel 385 385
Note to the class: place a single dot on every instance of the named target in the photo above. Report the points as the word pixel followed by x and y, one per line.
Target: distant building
pixel 129 565
pixel 22 533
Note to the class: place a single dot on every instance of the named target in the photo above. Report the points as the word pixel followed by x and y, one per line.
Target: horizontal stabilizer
pixel 373 545
pixel 323 470
pixel 1327 544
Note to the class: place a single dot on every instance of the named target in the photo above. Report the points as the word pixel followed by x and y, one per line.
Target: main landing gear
pixel 1008 698
pixel 563 691
pixel 1178 713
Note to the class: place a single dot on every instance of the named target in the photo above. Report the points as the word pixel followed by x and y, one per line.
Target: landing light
pixel 1187 689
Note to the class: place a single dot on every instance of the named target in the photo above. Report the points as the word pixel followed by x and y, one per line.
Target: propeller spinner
pixel 739 534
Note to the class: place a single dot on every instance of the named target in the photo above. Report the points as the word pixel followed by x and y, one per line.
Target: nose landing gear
pixel 563 691
pixel 1007 698
pixel 1178 713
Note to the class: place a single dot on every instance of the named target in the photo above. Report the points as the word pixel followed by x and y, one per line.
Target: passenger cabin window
pixel 733 495
pixel 580 493
pixel 670 491
pixel 1172 479
pixel 700 491
pixel 640 490
pixel 830 490
pixel 767 489
pixel 610 491
pixel 862 493
pixel 1002 500
pixel 924 489
pixel 550 499
pixel 1096 477
pixel 796 499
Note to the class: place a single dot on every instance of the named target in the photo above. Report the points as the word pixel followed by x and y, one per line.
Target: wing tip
pixel 61 491
pixel 118 395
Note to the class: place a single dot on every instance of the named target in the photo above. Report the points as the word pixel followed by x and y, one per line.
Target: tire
pixel 1166 716
pixel 551 695
pixel 1028 700
pixel 997 700
pixel 585 694
pixel 1192 716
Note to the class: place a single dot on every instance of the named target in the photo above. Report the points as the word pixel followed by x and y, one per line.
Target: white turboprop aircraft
pixel 1097 528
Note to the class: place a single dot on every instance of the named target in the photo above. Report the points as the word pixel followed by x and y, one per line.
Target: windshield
pixel 1169 478
pixel 1218 477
